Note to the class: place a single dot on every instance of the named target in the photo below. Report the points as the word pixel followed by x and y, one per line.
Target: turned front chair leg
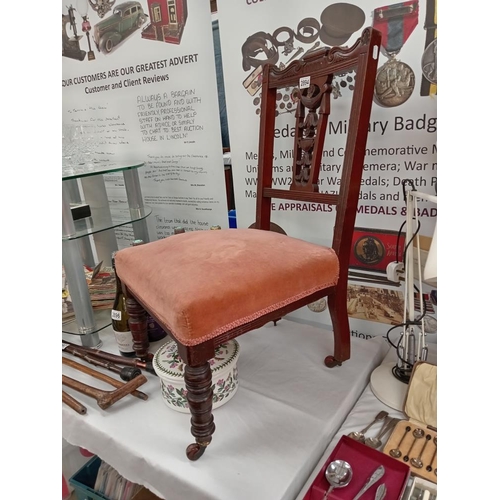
pixel 337 305
pixel 198 381
pixel 138 323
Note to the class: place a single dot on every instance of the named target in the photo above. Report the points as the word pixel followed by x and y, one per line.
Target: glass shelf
pixel 100 220
pixel 97 168
pixel 102 319
pixel 104 218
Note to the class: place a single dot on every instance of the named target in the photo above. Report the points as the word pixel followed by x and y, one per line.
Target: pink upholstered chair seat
pixel 239 275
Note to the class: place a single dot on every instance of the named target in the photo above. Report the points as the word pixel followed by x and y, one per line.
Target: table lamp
pixel 388 382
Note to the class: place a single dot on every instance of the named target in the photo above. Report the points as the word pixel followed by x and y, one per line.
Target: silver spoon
pixel 338 474
pixel 417 434
pixel 375 442
pixel 360 435
pixel 396 452
pixel 429 467
pixel 417 462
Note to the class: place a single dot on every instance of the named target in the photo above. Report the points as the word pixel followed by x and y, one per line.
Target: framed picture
pixel 373 249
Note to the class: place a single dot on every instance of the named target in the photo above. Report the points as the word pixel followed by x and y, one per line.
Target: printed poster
pixel 138 82
pixel 402 140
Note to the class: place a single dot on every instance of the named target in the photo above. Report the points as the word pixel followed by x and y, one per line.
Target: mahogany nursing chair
pixel 208 287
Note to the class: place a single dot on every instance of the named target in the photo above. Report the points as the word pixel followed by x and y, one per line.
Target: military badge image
pixel 373 249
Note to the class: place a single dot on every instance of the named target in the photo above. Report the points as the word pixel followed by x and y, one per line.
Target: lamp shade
pixel 82 7
pixel 430 269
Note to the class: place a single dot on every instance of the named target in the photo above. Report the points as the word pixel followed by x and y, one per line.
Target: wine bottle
pixel 155 331
pixel 119 319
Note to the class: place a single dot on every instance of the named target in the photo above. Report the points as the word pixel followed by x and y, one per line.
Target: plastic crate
pixel 83 481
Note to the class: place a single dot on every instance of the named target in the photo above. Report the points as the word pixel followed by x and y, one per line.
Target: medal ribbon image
pixel 396 23
pixel 428 88
pixel 395 80
pixel 433 89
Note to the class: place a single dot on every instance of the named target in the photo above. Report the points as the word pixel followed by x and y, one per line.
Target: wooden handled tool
pixel 119 360
pixel 73 403
pixel 104 398
pixel 102 376
pixel 126 373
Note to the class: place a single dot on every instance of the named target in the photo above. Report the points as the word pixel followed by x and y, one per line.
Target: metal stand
pixel 135 203
pixel 75 275
pixel 96 196
pixel 413 342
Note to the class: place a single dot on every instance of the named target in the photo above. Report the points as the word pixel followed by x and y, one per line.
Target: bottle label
pixel 125 341
pixel 116 315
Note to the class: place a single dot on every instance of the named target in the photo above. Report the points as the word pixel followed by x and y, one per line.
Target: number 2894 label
pixel 305 82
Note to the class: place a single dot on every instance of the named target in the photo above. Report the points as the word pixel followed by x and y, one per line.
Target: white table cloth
pixel 364 411
pixel 269 436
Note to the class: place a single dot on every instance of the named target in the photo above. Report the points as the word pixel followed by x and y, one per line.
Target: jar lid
pixel 167 362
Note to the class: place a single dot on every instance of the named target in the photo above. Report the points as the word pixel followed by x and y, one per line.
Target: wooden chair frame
pixel 320 66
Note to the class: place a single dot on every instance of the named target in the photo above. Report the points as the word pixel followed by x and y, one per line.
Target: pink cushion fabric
pixel 201 284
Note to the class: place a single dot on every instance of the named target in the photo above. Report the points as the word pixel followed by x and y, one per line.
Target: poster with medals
pixel 402 139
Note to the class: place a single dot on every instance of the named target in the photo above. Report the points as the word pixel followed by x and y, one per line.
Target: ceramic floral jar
pixel 169 367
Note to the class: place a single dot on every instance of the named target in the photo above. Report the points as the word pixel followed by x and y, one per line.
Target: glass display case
pixel 78 249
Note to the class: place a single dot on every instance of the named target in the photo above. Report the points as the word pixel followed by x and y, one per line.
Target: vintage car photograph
pixel 126 18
